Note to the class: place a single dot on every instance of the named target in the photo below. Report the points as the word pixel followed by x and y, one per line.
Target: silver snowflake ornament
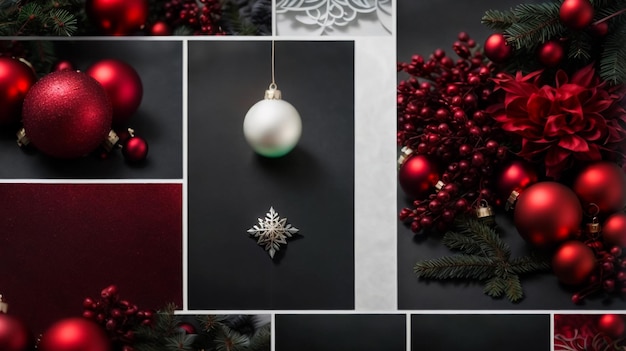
pixel 272 231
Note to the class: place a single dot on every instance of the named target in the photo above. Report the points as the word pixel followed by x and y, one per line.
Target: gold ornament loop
pixel 484 210
pixel 510 202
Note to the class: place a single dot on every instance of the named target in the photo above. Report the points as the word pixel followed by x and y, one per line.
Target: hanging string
pixel 273 84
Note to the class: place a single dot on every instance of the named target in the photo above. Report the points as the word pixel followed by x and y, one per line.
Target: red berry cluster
pixel 202 17
pixel 441 114
pixel 610 273
pixel 118 317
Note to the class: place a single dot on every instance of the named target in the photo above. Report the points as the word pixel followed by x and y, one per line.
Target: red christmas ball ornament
pixel 497 49
pixel 66 114
pixel 16 78
pixel 14 336
pixel 551 53
pixel 599 29
pixel 576 14
pixel 417 176
pixel 547 213
pixel 118 17
pixel 573 262
pixel 603 184
pixel 135 149
pixel 612 325
pixel 516 175
pixel 122 84
pixel 62 65
pixel 188 328
pixel 614 230
pixel 75 334
pixel 160 28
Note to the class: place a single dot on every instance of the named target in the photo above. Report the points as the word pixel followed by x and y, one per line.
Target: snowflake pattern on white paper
pixel 272 231
pixel 327 15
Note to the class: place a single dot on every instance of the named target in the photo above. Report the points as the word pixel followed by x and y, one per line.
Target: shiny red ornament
pixel 417 176
pixel 160 28
pixel 62 65
pixel 14 336
pixel 547 213
pixel 66 114
pixel 604 184
pixel 118 17
pixel 573 262
pixel 122 84
pixel 576 14
pixel 614 230
pixel 188 328
pixel 74 334
pixel 497 49
pixel 516 175
pixel 16 78
pixel 135 149
pixel 612 325
pixel 551 53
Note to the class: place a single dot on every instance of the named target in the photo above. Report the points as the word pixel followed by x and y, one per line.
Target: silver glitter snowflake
pixel 272 231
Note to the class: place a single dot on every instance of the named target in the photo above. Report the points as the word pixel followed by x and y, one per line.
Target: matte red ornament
pixel 612 325
pixel 418 176
pixel 614 230
pixel 547 213
pixel 118 17
pixel 16 78
pixel 516 175
pixel 14 336
pixel 496 48
pixel 576 14
pixel 551 53
pixel 600 29
pixel 74 334
pixel 604 184
pixel 160 28
pixel 67 114
pixel 135 149
pixel 573 262
pixel 123 86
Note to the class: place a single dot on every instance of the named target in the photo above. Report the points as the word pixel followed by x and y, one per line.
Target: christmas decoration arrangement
pixel 135 17
pixel 530 125
pixel 110 323
pixel 589 332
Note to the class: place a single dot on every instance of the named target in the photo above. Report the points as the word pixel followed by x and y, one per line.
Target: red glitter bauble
pixel 551 53
pixel 74 334
pixel 16 78
pixel 547 213
pixel 573 262
pixel 135 149
pixel 516 175
pixel 160 28
pixel 576 14
pixel 118 17
pixel 614 230
pixel 417 176
pixel 496 48
pixel 122 84
pixel 612 325
pixel 604 184
pixel 14 336
pixel 62 65
pixel 66 114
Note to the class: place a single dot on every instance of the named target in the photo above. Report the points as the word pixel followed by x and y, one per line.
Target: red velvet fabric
pixel 60 243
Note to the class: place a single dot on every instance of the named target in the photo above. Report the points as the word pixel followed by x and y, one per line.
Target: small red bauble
pixel 547 213
pixel 516 175
pixel 614 230
pixel 551 53
pixel 67 114
pixel 576 14
pixel 74 334
pixel 188 328
pixel 118 17
pixel 417 176
pixel 16 78
pixel 62 65
pixel 122 84
pixel 497 49
pixel 14 336
pixel 604 184
pixel 160 28
pixel 573 262
pixel 135 149
pixel 612 325
pixel 599 30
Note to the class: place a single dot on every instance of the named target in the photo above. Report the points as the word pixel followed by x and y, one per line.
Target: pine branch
pixel 230 340
pixel 536 24
pixel 456 267
pixel 529 264
pixel 612 62
pixel 498 20
pixel 580 47
pixel 260 341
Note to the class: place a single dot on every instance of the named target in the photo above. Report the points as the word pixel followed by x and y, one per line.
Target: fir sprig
pixel 60 17
pixel 613 61
pixel 485 257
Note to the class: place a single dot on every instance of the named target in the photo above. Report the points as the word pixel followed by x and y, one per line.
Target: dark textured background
pixel 230 186
pixel 158 119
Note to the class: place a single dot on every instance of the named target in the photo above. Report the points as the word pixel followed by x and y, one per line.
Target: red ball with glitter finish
pixel 614 230
pixel 418 176
pixel 135 149
pixel 604 184
pixel 551 53
pixel 66 114
pixel 496 48
pixel 16 78
pixel 74 334
pixel 14 336
pixel 573 262
pixel 516 175
pixel 118 17
pixel 123 86
pixel 612 325
pixel 576 14
pixel 547 213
